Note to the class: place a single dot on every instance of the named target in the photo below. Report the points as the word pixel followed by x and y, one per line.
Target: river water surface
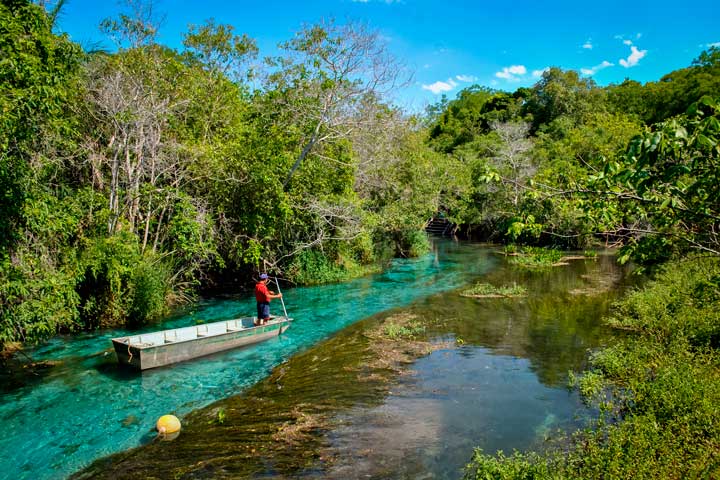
pixel 498 382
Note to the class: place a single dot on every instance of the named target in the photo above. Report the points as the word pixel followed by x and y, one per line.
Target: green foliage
pixel 411 243
pixel 536 257
pixel 217 48
pixel 667 181
pixel 148 289
pixel 36 70
pixel 37 300
pixel 408 330
pixel 467 118
pixel 562 94
pixel 315 266
pixel 670 96
pixel 190 238
pixel 485 289
pixel 119 283
pixel 518 466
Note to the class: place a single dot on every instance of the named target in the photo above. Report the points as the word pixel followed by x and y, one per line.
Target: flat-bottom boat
pixel 150 350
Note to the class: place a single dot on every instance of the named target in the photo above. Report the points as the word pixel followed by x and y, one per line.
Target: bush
pixel 411 243
pixel 148 289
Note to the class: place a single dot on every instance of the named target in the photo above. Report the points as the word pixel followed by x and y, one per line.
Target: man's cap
pixel 263 276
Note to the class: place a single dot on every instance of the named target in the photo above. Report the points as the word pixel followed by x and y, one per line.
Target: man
pixel 263 296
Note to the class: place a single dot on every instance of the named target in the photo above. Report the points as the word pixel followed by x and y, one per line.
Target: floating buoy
pixel 168 424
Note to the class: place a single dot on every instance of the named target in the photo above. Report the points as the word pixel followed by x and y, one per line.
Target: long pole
pixel 281 298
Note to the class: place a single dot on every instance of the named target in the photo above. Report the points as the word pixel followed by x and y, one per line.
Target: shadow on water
pixel 480 372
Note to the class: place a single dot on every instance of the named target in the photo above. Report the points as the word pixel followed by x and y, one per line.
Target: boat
pixel 156 349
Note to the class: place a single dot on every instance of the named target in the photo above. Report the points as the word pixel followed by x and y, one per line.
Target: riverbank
pixel 658 388
pixel 407 392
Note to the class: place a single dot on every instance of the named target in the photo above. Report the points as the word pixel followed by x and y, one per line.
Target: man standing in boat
pixel 263 296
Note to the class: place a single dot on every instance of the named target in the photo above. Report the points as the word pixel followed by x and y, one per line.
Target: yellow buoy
pixel 168 424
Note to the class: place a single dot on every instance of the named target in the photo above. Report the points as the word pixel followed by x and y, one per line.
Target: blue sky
pixel 453 44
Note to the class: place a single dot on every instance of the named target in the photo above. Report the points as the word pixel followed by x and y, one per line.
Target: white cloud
pixel 440 86
pixel 714 44
pixel 466 78
pixel 634 58
pixel 427 65
pixel 627 39
pixel 588 45
pixel 596 68
pixel 538 73
pixel 512 72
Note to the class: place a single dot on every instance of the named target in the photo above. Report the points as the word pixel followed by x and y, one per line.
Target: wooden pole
pixel 281 298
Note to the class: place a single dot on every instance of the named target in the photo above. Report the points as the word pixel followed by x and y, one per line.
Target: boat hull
pixel 143 357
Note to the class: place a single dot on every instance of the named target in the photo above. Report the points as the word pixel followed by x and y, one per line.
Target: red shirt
pixel 261 292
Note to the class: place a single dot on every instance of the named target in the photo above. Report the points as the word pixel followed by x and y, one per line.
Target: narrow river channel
pixel 495 378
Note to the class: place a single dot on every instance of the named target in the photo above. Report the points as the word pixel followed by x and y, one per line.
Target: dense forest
pixel 131 180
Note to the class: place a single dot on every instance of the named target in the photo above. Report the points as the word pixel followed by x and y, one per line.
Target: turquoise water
pixel 87 407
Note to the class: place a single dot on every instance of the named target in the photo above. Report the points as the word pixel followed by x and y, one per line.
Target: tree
pixel 470 116
pixel 218 49
pixel 321 81
pixel 664 191
pixel 562 93
pixel 511 161
pixel 37 70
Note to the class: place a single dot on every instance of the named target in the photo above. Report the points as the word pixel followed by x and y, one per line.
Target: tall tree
pixel 322 79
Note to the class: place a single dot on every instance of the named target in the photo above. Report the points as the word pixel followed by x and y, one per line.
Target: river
pixel 500 383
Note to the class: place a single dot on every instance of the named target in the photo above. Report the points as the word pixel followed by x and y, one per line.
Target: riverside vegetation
pixel 133 179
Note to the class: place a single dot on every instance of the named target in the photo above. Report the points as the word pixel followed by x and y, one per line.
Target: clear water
pixel 455 401
pixel 501 384
pixel 87 407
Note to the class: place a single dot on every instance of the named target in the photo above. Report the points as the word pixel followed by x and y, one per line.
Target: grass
pixel 487 290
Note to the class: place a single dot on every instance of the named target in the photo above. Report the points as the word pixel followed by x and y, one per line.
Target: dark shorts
pixel 263 309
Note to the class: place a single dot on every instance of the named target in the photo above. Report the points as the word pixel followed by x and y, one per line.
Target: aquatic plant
pixel 487 290
pixel 537 257
pixel 409 330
